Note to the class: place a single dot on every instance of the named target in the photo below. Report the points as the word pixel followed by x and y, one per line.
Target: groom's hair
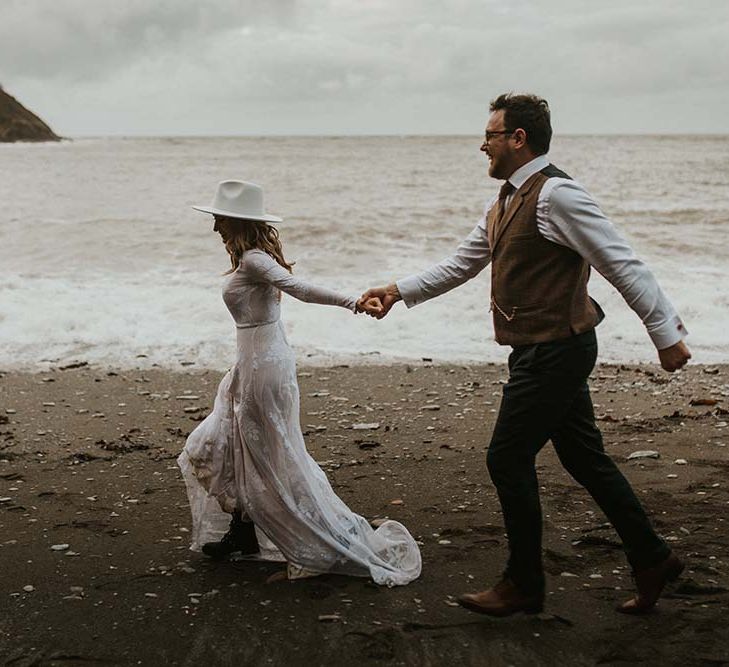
pixel 531 114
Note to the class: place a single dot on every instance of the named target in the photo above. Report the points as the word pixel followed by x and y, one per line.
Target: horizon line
pixel 379 135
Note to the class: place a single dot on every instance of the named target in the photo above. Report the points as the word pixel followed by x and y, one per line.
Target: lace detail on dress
pixel 251 291
pixel 249 453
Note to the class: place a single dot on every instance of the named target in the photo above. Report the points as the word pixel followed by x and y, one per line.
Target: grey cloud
pixel 77 39
pixel 357 66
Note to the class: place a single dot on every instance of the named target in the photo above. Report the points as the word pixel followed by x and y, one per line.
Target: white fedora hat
pixel 239 199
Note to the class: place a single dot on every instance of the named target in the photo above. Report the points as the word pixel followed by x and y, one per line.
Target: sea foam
pixel 103 260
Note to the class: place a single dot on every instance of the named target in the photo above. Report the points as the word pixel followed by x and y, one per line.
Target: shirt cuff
pixel 669 333
pixel 410 291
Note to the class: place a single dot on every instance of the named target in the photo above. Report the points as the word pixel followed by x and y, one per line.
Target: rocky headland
pixel 20 124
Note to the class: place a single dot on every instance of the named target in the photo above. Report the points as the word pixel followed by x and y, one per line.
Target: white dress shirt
pixel 569 216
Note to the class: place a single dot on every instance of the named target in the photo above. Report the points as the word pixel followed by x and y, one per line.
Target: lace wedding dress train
pixel 249 453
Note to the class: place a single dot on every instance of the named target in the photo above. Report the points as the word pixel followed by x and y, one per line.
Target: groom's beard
pixel 496 170
pixel 500 168
pixel 496 167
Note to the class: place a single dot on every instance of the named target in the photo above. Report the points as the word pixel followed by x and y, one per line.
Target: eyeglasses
pixel 490 135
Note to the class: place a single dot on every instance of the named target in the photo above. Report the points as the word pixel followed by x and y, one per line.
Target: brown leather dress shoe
pixel 503 599
pixel 650 583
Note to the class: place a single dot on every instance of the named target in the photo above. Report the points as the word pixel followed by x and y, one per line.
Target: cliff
pixel 19 124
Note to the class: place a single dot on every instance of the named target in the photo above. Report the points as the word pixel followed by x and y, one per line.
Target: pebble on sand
pixel 644 454
pixel 329 618
pixel 366 427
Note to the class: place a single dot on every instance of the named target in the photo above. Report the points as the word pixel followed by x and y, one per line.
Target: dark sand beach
pixel 94 524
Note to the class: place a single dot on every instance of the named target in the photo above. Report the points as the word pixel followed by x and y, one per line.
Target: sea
pixel 103 260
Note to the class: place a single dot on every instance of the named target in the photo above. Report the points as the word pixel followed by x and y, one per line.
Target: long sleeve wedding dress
pixel 249 453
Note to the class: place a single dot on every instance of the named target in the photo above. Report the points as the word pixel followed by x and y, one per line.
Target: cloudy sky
pixel 247 67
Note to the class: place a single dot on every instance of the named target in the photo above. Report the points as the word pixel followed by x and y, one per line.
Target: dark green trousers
pixel 547 398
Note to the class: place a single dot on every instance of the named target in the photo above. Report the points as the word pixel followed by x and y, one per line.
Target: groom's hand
pixel 372 306
pixel 389 295
pixel 674 357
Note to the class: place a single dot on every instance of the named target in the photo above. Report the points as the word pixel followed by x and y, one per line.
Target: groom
pixel 541 234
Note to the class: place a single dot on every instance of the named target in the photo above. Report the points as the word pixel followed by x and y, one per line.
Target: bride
pixel 248 459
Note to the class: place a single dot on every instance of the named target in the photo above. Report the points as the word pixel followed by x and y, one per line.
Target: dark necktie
pixel 506 189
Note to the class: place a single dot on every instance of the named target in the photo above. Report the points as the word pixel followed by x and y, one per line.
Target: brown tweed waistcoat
pixel 538 288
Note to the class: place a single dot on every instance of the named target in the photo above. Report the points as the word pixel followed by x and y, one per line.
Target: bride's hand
pixel 388 295
pixel 372 306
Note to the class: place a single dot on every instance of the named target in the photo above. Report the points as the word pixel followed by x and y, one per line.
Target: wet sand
pixel 94 524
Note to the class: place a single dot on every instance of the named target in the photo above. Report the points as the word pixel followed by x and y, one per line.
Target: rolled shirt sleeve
pixel 569 216
pixel 469 259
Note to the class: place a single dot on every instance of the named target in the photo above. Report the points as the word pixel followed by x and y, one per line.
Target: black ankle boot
pixel 241 537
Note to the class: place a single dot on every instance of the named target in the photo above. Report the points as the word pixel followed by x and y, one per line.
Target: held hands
pixel 674 357
pixel 372 306
pixel 387 297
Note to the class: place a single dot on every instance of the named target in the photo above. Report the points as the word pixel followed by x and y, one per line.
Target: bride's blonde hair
pixel 248 235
